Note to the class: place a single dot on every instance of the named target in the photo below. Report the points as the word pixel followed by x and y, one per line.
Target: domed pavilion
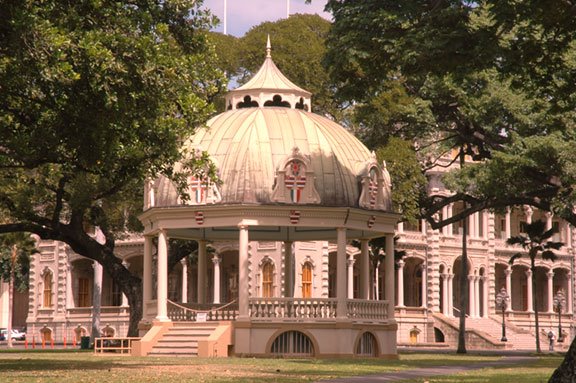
pixel 288 176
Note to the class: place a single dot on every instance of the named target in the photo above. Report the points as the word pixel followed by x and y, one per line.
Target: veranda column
pixel 424 288
pixel 289 270
pixel 450 295
pixel 243 272
pixel 485 296
pixel 508 273
pixel 69 290
pixel 389 264
pixel 184 263
pixel 124 297
pixel 147 271
pixel 202 271
pixel 569 293
pixel 550 276
pixel 471 297
pixel 445 294
pixel 477 296
pixel 508 228
pixel 364 270
pixel 449 212
pixel 400 227
pixel 162 277
pixel 341 273
pixel 529 212
pixel 216 261
pixel 548 220
pixel 444 216
pixel 400 282
pixel 350 266
pixel 530 292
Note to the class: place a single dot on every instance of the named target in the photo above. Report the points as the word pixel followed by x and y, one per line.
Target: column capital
pixel 216 259
pixel 400 263
pixel 529 273
pixel 508 271
pixel 350 261
pixel 550 274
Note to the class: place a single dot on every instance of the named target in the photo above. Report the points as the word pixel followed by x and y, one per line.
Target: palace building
pixel 276 272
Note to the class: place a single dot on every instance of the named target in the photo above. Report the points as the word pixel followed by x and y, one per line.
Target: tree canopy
pixel 493 79
pixel 96 97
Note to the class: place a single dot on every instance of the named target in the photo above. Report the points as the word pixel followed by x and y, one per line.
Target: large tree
pixel 96 97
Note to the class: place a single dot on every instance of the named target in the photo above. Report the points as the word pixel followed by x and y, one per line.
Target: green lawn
pixel 64 367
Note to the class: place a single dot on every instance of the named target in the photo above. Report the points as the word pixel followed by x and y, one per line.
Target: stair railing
pixel 226 312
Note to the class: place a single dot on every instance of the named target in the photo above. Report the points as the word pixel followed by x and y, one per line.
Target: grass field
pixel 65 367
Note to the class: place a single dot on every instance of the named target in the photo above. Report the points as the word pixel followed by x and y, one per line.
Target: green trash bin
pixel 85 343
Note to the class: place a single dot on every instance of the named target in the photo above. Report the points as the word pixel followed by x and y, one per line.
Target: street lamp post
pixel 559 302
pixel 502 303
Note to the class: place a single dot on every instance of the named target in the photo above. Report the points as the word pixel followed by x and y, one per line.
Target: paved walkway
pixel 427 372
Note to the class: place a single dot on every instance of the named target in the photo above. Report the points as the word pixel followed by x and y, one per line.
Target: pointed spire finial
pixel 268 48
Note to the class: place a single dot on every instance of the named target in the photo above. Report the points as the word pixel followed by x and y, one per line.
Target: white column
pixel 550 276
pixel 508 273
pixel 450 294
pixel 444 216
pixel 529 212
pixel 472 223
pixel 350 266
pixel 530 292
pixel 548 220
pixel 477 296
pixel 202 272
pixel 400 282
pixel 184 263
pixel 147 271
pixel 449 212
pixel 364 270
pixel 484 215
pixel 424 286
pixel 569 293
pixel 216 262
pixel 389 264
pixel 341 273
pixel 243 290
pixel 69 290
pixel 289 270
pixel 485 296
pixel 471 297
pixel 124 297
pixel 508 228
pixel 162 277
pixel 400 227
pixel 445 294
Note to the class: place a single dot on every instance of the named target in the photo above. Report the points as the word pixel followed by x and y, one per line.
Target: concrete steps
pixel 182 339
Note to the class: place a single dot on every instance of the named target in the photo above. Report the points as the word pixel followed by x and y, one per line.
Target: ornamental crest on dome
pixel 375 186
pixel 201 190
pixel 295 181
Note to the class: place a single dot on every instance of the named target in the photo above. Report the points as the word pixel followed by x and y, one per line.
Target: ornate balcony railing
pixel 311 309
pixel 367 310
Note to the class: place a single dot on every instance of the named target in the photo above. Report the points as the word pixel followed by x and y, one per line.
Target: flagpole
pixel 225 11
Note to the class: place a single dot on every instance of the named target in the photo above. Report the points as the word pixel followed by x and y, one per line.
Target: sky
pixel 244 14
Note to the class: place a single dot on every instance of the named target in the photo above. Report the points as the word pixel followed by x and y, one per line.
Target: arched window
pixel 307 280
pixel 267 280
pixel 84 292
pixel 367 345
pixel 47 290
pixel 293 343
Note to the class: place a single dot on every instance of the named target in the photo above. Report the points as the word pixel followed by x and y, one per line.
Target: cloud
pixel 244 14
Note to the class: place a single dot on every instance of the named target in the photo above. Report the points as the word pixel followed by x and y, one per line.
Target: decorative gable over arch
pixel 375 186
pixel 295 181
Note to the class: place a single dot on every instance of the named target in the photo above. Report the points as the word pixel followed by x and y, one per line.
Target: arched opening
pixel 438 335
pixel 481 293
pixel 46 334
pixel 367 345
pixel 541 292
pixel 292 343
pixel 47 291
pixel 414 333
pixel 413 282
pixel 457 293
pixel 519 293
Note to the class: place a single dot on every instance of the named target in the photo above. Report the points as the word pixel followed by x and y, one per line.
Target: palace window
pixel 293 343
pixel 267 280
pixel 84 292
pixel 47 302
pixel 307 280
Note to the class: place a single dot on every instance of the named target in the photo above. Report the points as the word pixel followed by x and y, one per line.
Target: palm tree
pixel 15 251
pixel 535 242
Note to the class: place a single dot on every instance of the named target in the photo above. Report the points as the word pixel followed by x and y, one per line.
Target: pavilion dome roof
pixel 270 150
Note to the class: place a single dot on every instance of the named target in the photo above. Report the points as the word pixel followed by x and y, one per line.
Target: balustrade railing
pixel 310 309
pixel 202 313
pixel 361 309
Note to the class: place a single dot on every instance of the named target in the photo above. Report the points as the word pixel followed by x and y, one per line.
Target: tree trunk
pixel 566 372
